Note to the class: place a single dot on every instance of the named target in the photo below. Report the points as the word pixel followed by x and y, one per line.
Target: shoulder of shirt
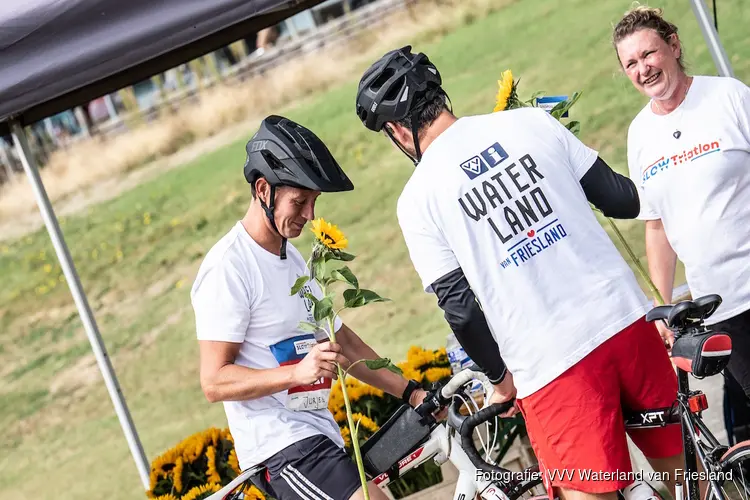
pixel 223 255
pixel 291 251
pixel 727 82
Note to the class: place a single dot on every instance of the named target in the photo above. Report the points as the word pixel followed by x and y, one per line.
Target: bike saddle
pixel 685 312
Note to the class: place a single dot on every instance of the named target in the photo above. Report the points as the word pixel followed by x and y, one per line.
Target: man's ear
pixel 262 189
pixel 400 133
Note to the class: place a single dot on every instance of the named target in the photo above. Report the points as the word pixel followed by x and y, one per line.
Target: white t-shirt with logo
pixel 698 184
pixel 498 195
pixel 242 294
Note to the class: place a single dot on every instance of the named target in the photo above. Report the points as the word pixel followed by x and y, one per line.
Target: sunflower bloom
pixel 328 234
pixel 505 87
pixel 201 491
pixel 436 374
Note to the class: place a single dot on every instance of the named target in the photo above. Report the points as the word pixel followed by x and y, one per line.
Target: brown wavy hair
pixel 643 17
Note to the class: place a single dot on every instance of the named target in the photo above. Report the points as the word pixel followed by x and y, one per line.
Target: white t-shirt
pixel 498 195
pixel 241 294
pixel 699 186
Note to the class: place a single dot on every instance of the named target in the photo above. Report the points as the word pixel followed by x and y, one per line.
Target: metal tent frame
pixel 54 96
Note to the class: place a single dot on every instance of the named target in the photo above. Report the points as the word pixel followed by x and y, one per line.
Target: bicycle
pixel 702 352
pixel 424 438
pixel 414 436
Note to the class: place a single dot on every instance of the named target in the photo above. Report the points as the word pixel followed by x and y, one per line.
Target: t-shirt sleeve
pixel 222 302
pixel 648 211
pixel 580 156
pixel 743 110
pixel 429 252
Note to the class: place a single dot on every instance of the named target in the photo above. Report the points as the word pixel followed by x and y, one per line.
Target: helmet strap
pixel 398 144
pixel 269 213
pixel 415 134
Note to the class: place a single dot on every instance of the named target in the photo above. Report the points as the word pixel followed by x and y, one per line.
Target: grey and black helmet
pixel 287 154
pixel 398 85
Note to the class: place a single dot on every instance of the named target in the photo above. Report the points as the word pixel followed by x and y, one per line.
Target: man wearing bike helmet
pixel 272 377
pixel 497 222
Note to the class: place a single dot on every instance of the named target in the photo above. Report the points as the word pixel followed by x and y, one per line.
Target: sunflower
pixel 505 88
pixel 328 234
pixel 201 491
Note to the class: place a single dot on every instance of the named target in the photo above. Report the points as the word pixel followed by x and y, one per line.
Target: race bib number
pixel 302 397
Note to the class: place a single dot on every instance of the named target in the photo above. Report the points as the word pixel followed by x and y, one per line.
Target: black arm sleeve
pixel 614 194
pixel 468 323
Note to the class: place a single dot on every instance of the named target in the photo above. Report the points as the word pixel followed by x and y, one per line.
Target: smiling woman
pixel 688 154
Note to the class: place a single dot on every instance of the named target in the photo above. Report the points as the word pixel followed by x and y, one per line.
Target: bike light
pixel 698 402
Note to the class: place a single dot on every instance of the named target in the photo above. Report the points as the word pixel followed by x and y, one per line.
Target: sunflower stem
pixel 349 417
pixel 637 263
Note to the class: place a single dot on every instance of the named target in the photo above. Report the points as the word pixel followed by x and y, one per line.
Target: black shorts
pixel 738 328
pixel 314 468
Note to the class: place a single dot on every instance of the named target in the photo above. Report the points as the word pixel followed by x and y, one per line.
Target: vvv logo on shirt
pixel 303 397
pixel 511 200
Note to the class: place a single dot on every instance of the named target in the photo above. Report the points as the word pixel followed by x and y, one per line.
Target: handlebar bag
pixel 703 354
pixel 395 439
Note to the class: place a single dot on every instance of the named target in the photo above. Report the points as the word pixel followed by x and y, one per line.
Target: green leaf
pixel 532 100
pixel 395 369
pixel 323 308
pixel 299 284
pixel 346 257
pixel 574 126
pixel 377 364
pixel 346 275
pixel 308 327
pixel 380 363
pixel 358 298
pixel 562 107
pixel 352 298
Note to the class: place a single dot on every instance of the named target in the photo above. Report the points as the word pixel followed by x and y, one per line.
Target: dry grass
pixel 88 162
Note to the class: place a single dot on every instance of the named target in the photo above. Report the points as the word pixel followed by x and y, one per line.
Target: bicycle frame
pixel 443 445
pixel 683 412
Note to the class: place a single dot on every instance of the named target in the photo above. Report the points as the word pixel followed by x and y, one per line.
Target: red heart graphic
pixel 531 233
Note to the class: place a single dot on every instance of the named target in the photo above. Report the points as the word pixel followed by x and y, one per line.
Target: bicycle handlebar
pixel 457 381
pixel 465 426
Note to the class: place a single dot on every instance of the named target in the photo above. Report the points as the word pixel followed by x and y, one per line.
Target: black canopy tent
pixel 58 54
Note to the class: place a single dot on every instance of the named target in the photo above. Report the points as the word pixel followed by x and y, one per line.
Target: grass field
pixel 137 255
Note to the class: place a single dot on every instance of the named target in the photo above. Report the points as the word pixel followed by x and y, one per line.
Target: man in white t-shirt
pixel 274 378
pixel 497 221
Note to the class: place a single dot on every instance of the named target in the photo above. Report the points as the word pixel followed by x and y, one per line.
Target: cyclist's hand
pixel 319 363
pixel 503 392
pixel 416 399
pixel 667 335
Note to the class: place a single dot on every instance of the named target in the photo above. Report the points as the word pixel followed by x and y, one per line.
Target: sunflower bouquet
pixel 329 245
pixel 507 98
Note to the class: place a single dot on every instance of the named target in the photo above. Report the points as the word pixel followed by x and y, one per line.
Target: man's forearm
pixel 662 259
pixel 612 193
pixel 354 348
pixel 467 320
pixel 238 383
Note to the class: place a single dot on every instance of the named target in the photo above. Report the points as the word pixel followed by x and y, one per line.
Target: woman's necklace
pixel 676 134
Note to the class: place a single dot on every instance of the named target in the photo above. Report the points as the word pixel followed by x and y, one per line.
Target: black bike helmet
pixel 399 84
pixel 287 154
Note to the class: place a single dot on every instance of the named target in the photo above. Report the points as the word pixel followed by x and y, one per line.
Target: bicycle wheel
pixel 734 473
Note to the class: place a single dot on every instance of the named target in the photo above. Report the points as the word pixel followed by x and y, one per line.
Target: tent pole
pixel 87 317
pixel 712 38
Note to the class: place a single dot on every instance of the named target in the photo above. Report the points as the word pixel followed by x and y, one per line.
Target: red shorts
pixel 575 423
